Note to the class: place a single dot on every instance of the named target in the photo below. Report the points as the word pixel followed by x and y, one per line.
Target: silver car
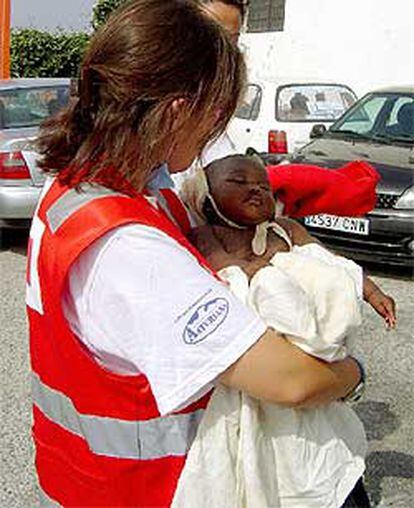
pixel 24 105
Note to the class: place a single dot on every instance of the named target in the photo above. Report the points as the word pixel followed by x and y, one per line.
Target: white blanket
pixel 248 453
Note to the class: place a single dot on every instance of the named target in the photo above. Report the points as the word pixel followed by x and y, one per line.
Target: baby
pixel 282 456
pixel 241 230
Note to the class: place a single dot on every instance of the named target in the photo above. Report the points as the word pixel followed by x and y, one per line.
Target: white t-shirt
pixel 142 303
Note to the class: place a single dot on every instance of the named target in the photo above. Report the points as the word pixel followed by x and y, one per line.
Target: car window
pixel 362 118
pixel 400 121
pixel 312 103
pixel 389 115
pixel 250 107
pixel 28 107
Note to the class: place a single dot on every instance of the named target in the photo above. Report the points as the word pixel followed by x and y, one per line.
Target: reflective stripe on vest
pixel 146 439
pixel 72 201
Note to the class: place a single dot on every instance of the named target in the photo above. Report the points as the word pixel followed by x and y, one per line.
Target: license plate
pixel 345 224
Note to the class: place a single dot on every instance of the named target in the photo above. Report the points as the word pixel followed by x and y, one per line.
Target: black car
pixel 378 129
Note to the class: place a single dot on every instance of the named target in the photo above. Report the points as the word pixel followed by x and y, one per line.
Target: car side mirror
pixel 317 131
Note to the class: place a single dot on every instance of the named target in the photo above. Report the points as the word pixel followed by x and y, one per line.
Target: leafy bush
pixel 102 11
pixel 36 53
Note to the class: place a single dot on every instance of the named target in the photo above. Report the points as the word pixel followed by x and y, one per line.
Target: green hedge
pixel 36 53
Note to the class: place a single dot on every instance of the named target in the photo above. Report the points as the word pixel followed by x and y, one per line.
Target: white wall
pixel 363 43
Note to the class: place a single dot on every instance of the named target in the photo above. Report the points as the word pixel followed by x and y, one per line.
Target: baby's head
pixel 241 190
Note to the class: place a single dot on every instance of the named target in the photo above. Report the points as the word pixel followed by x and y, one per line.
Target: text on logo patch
pixel 205 320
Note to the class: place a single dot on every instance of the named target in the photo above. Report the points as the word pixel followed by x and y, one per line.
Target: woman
pixel 129 329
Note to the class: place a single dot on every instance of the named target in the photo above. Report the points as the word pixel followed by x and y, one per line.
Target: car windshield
pixel 28 107
pixel 313 102
pixel 383 117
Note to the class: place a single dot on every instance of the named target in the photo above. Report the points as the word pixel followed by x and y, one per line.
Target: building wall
pixel 364 43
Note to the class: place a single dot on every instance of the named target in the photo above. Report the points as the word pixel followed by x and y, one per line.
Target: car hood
pixel 394 163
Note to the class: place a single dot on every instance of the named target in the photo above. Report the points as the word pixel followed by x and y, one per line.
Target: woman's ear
pixel 178 113
pixel 177 106
pixel 174 114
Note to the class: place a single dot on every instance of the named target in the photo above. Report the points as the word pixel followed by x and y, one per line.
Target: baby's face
pixel 243 194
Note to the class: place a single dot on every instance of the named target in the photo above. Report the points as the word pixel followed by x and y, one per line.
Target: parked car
pixel 24 104
pixel 276 117
pixel 378 129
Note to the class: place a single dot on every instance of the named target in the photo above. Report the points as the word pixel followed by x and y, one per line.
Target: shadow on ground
pixel 379 421
pixel 385 464
pixel 14 240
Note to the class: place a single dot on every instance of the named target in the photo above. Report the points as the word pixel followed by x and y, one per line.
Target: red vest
pixel 99 438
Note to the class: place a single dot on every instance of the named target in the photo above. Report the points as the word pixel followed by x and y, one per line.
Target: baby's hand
pixel 385 306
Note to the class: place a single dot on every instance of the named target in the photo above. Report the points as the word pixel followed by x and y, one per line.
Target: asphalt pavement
pixel 387 408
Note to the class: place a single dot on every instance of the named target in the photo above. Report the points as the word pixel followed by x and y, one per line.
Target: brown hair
pixel 149 54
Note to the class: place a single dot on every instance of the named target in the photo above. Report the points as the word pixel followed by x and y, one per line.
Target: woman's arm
pixel 275 370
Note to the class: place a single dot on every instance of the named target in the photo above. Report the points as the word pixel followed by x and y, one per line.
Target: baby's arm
pixel 383 304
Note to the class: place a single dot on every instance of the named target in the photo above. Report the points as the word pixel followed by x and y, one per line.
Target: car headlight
pixel 406 200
